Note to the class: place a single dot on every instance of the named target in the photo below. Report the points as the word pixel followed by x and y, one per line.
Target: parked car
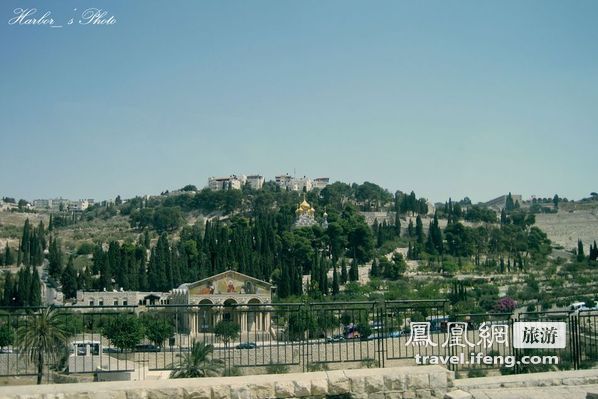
pixel 246 345
pixel 335 338
pixel 395 334
pixel 147 348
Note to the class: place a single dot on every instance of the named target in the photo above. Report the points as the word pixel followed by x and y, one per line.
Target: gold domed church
pixel 306 214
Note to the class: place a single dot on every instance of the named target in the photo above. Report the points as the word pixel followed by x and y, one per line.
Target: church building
pixel 231 296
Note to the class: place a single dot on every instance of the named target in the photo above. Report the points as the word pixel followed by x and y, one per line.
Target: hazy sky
pixel 447 98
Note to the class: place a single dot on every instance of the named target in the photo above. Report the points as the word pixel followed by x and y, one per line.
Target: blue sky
pixel 457 98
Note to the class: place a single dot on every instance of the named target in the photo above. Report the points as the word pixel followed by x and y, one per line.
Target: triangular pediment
pixel 229 282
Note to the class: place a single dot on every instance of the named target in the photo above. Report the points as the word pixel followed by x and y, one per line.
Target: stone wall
pixel 388 383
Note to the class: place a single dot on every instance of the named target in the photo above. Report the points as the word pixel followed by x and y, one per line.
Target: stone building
pixel 231 296
pixel 121 298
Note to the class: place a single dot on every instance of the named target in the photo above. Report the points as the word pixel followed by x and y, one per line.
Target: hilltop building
pixel 226 183
pixel 256 182
pixel 56 204
pixel 235 182
pixel 499 203
pixel 290 183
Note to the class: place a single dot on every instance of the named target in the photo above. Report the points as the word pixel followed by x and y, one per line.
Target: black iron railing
pixel 296 336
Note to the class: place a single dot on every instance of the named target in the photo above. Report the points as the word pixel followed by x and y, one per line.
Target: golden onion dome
pixel 305 205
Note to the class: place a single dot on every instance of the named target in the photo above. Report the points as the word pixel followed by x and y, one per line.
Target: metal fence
pixel 295 336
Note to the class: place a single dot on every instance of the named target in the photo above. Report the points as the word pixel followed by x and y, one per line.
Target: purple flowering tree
pixel 506 305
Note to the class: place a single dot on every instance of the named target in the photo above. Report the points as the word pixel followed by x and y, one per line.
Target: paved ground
pixel 569 392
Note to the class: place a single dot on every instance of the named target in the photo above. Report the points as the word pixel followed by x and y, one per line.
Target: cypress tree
pixel 9 257
pixel 410 228
pixel 8 296
pixel 35 296
pixel 344 275
pixel 580 252
pixel 69 280
pixel 25 245
pixel 354 270
pixel 397 226
pixel 284 284
pixel 376 271
pixel 593 252
pixel 55 259
pixel 105 281
pixel 146 239
pixel 419 230
pixel 23 289
pixel 335 283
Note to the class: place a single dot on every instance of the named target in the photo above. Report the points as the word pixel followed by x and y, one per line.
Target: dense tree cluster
pixel 592 255
pixel 22 290
pixel 32 245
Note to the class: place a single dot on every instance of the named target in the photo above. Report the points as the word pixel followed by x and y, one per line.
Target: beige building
pixel 256 182
pixel 121 298
pixel 226 182
pixel 229 296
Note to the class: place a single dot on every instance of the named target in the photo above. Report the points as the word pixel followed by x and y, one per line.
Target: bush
pixel 370 363
pixel 317 367
pixel 474 373
pixel 276 368
pixel 233 372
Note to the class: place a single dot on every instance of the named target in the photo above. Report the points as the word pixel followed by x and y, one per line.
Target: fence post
pixel 574 340
pixel 380 312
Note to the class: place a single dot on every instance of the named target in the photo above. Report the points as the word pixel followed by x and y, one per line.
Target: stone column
pixel 267 322
pixel 193 323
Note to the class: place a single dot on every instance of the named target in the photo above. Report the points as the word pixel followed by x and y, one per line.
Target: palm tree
pixel 198 363
pixel 43 336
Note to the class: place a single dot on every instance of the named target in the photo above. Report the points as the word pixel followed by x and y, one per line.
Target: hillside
pixel 570 224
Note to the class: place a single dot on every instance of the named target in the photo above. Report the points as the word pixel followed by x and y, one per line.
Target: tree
pixel 335 282
pixel 43 337
pixel 9 257
pixel 198 363
pixel 124 331
pixel 344 274
pixel 227 331
pixel 35 297
pixel 506 305
pixel 55 259
pixel 157 330
pixel 397 225
pixel 69 280
pixel 7 335
pixel 8 296
pixel 580 252
pixel 354 271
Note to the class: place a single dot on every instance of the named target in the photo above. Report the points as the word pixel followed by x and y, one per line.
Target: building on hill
pixel 121 298
pixel 228 296
pixel 321 182
pixel 56 203
pixel 290 183
pixel 235 182
pixel 256 182
pixel 499 203
pixel 226 182
pixel 306 214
